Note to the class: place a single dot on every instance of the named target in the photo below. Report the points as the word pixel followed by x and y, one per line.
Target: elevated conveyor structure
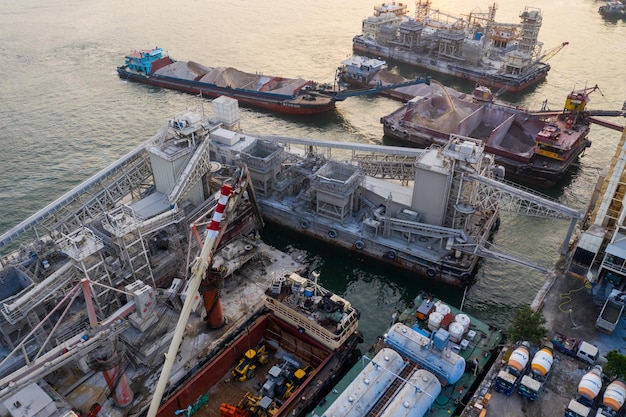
pixel 90 199
pixel 127 223
pixel 398 163
pixel 600 252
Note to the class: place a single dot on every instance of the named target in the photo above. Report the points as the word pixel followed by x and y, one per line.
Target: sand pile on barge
pixel 231 77
pixel 183 70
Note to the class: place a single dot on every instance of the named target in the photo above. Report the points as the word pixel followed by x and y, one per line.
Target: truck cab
pixel 587 353
pixel 576 409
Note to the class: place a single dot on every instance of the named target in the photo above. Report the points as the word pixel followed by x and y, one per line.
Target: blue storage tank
pixel 368 387
pixel 445 364
pixel 416 397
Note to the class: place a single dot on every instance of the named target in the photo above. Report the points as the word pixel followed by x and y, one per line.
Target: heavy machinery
pixel 509 377
pixel 297 378
pixel 540 367
pixel 611 312
pixel 259 406
pixel 587 394
pixel 247 366
pixel 612 400
pixel 284 379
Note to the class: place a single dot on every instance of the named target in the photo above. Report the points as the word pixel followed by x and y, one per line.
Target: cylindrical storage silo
pixel 519 359
pixel 415 398
pixel 442 308
pixel 464 320
pixel 456 331
pixel 542 362
pixel 614 396
pixel 368 386
pixel 434 321
pixel 590 384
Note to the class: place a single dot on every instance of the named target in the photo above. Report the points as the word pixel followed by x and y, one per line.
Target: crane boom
pixel 199 269
pixel 551 52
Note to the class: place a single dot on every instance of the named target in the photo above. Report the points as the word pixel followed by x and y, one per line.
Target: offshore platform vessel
pixel 504 56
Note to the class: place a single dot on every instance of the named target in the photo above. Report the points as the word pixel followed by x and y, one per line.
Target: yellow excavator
pixel 246 368
pixel 297 379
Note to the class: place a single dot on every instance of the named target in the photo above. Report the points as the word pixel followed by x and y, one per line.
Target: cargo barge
pixel 270 93
pixel 297 96
pixel 534 148
pixel 282 363
pixel 429 363
pixel 503 56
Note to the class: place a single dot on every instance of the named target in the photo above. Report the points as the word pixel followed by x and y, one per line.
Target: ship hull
pixel 508 132
pixel 519 171
pixel 347 238
pixel 510 84
pixel 298 106
pixel 213 377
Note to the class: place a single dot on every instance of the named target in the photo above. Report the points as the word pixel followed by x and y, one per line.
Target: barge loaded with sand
pixel 534 148
pixel 270 93
pixel 474 47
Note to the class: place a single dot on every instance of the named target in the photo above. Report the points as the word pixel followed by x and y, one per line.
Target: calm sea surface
pixel 65 114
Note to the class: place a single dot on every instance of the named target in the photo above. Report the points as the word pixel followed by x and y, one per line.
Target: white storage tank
pixel 369 385
pixel 434 321
pixel 464 320
pixel 590 384
pixel 614 396
pixel 442 308
pixel 445 364
pixel 226 110
pixel 456 331
pixel 416 397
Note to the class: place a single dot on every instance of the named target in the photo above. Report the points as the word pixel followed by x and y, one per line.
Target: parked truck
pixel 611 312
pixel 540 367
pixel 586 396
pixel 576 348
pixel 509 377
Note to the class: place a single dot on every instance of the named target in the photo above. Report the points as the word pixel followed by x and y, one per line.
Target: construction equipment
pixel 298 377
pixel 247 366
pixel 259 406
pixel 212 238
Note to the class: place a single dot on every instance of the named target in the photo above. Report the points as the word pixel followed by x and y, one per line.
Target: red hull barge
pixel 536 149
pixel 275 94
pixel 214 378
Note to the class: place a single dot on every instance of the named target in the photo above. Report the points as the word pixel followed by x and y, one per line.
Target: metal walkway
pixel 67 211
